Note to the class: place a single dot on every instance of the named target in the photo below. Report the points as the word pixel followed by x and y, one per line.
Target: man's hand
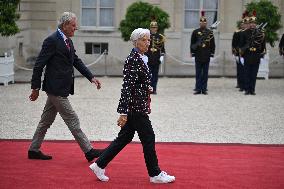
pixel 122 120
pixel 34 95
pixel 96 82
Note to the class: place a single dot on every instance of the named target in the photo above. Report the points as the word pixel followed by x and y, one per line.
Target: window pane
pixel 89 3
pixel 88 17
pixel 104 47
pixel 88 48
pixel 106 17
pixel 107 3
pixel 191 19
pixel 97 48
pixel 192 4
pixel 210 4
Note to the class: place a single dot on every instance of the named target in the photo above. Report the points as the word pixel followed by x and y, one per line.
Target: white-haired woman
pixel 134 107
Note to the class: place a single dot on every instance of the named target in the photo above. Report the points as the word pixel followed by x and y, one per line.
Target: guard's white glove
pixel 262 59
pixel 193 59
pixel 237 59
pixel 211 59
pixel 162 59
pixel 242 61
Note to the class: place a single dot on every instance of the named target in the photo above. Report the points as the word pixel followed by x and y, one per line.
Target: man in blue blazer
pixel 58 57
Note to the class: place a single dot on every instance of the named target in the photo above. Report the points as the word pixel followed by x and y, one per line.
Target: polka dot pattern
pixel 135 94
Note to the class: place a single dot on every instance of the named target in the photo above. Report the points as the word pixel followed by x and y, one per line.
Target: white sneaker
pixel 163 177
pixel 100 173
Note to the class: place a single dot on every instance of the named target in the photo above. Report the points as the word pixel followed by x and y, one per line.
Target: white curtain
pixel 89 17
pixel 192 4
pixel 89 3
pixel 192 12
pixel 191 19
pixel 97 10
pixel 106 17
pixel 210 4
pixel 107 3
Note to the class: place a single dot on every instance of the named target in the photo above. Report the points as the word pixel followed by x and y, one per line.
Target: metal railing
pixel 223 65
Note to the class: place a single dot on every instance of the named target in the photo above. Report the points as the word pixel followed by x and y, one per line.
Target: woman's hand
pixel 151 89
pixel 122 120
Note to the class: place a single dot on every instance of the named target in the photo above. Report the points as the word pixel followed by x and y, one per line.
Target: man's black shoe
pixel 92 154
pixel 205 92
pixel 197 92
pixel 38 155
pixel 247 93
pixel 252 93
pixel 241 90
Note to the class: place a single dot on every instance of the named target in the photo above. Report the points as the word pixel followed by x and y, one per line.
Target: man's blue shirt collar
pixel 62 34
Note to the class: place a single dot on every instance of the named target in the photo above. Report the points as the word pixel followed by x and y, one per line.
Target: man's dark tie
pixel 68 44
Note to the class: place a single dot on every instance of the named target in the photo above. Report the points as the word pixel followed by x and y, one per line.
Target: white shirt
pixel 145 59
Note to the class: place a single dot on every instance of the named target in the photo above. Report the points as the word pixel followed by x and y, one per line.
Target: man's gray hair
pixel 137 34
pixel 66 17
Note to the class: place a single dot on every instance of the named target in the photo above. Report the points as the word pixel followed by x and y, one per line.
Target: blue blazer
pixel 59 62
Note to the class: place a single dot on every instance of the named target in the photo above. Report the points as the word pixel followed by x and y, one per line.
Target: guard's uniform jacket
pixel 156 48
pixel 202 45
pixel 155 51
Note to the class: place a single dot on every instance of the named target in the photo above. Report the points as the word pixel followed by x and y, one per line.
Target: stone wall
pixel 39 19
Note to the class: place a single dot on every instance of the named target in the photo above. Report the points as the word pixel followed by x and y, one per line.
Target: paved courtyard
pixel 223 116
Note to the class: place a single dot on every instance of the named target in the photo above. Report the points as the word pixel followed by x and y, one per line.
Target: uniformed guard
pixel 281 46
pixel 155 54
pixel 235 51
pixel 253 48
pixel 202 47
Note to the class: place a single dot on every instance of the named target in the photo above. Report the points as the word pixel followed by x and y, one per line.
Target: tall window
pixel 193 9
pixel 97 13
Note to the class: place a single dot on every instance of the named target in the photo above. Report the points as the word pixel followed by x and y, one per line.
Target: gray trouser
pixel 62 105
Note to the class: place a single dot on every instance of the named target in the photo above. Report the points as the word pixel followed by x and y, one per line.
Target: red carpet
pixel 194 165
